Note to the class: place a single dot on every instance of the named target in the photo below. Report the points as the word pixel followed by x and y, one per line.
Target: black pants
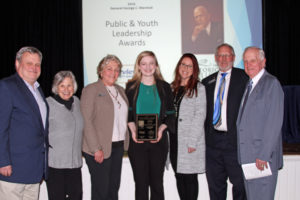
pixel 187 186
pixel 148 161
pixel 106 177
pixel 64 184
pixel 220 165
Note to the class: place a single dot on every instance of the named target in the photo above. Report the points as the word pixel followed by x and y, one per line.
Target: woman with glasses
pixel 187 145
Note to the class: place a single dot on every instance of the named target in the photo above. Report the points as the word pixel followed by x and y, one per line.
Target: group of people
pixel 214 126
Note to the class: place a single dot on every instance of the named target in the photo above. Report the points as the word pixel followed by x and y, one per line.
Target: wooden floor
pixel 291 149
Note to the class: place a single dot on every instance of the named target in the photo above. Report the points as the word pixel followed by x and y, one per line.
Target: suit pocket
pixel 257 142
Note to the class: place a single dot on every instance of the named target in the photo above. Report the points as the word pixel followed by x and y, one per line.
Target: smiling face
pixel 147 66
pixel 110 73
pixel 186 69
pixel 253 63
pixel 66 89
pixel 29 67
pixel 224 58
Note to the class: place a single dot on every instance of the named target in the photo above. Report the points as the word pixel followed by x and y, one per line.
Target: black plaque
pixel 146 126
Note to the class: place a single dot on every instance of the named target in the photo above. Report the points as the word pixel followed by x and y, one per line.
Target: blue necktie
pixel 219 100
pixel 249 87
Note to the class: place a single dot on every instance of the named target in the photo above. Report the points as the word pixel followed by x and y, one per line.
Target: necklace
pixel 177 99
pixel 115 97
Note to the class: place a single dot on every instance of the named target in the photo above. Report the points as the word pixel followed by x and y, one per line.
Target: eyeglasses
pixel 186 66
pixel 224 55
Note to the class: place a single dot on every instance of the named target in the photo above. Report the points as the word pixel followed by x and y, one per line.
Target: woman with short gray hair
pixel 60 76
pixel 65 138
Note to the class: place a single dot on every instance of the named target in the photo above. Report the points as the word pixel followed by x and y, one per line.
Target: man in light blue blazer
pixel 259 125
pixel 23 129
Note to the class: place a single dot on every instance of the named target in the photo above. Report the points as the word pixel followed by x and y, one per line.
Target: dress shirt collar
pixel 257 77
pixel 228 73
pixel 35 85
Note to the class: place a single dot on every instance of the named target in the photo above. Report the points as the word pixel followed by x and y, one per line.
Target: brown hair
pixel 191 86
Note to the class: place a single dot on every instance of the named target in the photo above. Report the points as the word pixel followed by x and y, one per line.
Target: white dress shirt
pixel 39 100
pixel 223 126
pixel 256 78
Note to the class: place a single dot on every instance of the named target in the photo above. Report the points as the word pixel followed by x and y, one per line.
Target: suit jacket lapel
pixel 234 82
pixel 30 100
pixel 104 93
pixel 102 89
pixel 231 97
pixel 47 108
pixel 212 84
pixel 257 88
pixel 241 104
pixel 253 95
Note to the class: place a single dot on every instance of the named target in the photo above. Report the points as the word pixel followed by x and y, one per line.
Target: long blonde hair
pixel 137 74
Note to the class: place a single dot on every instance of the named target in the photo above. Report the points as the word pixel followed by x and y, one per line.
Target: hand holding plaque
pixel 146 127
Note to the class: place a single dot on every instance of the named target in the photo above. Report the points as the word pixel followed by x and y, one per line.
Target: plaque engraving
pixel 146 126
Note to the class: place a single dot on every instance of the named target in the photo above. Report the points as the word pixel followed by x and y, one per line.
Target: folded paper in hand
pixel 251 172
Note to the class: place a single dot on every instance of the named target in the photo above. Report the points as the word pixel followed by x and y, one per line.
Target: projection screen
pixel 126 28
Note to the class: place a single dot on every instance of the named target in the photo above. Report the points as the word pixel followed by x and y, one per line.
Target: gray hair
pixel 225 45
pixel 261 53
pixel 31 50
pixel 104 62
pixel 60 76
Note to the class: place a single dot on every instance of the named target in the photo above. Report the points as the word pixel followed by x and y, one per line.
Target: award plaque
pixel 146 126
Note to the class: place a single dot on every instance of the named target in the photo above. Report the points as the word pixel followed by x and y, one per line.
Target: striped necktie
pixel 219 101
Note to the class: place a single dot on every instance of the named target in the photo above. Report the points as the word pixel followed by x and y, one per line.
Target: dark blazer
pixel 23 138
pixel 236 89
pixel 206 44
pixel 167 111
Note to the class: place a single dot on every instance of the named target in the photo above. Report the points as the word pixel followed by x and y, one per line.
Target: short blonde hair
pixel 104 62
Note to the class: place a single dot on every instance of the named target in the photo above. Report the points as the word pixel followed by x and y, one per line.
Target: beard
pixel 226 67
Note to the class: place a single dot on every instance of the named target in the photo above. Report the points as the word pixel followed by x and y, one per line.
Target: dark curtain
pixel 280 33
pixel 54 27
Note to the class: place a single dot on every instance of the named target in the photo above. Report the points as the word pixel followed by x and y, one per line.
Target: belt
pixel 220 132
pixel 117 144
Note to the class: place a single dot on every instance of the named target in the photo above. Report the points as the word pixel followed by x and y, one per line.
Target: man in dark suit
pixel 23 129
pixel 224 91
pixel 206 35
pixel 259 125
